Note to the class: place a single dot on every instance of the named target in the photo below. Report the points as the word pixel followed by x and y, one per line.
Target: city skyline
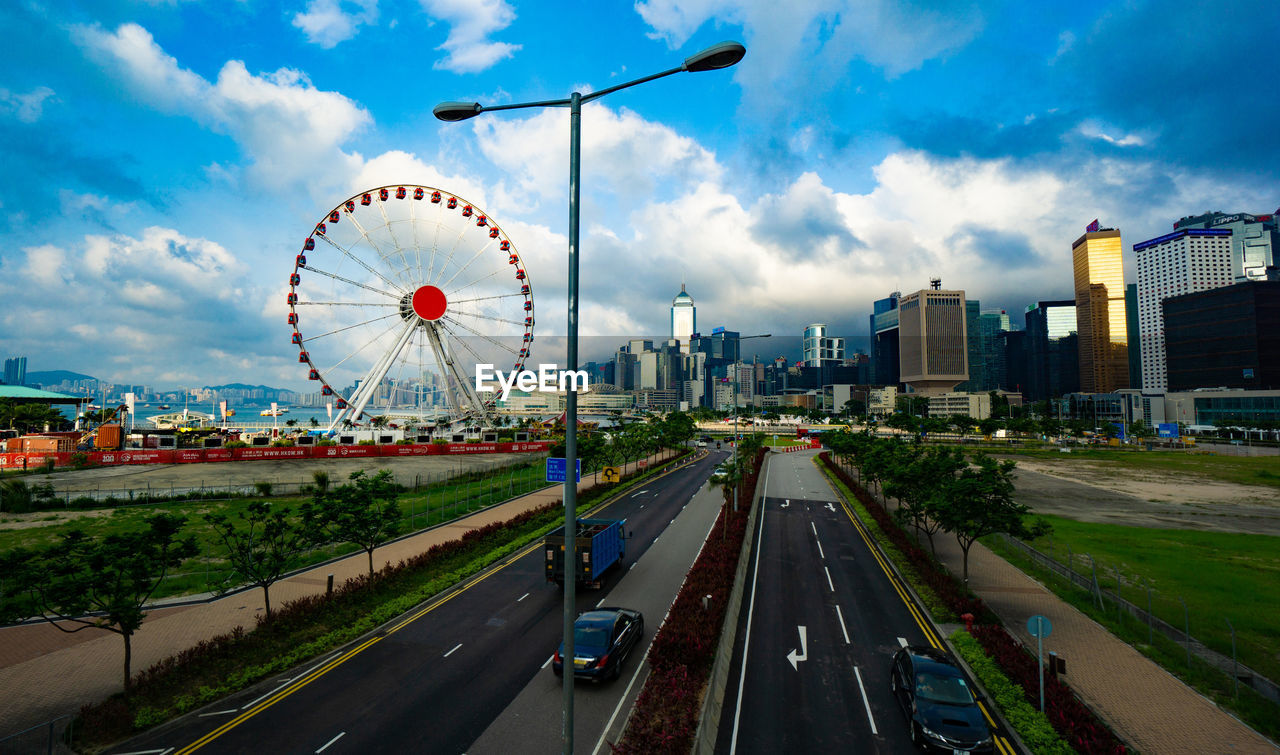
pixel 168 160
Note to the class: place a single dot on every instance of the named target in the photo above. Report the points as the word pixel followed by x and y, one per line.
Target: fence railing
pixel 1113 600
pixel 47 738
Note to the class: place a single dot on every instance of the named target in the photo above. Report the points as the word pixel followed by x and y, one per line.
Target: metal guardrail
pixel 47 738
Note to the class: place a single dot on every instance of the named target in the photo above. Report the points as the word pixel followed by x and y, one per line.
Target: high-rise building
pixel 684 319
pixel 884 340
pixel 1255 240
pixel 1100 314
pixel 819 348
pixel 983 329
pixel 932 341
pixel 1135 334
pixel 1182 262
pixel 15 371
pixel 1228 337
pixel 1053 363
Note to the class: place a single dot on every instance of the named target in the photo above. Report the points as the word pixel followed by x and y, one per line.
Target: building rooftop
pixel 23 393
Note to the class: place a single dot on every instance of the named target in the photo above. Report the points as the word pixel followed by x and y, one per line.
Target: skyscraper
pixel 1100 313
pixel 1182 262
pixel 884 340
pixel 819 348
pixel 932 341
pixel 15 371
pixel 1053 362
pixel 1255 240
pixel 684 319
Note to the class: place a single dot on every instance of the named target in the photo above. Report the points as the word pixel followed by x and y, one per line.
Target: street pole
pixel 719 56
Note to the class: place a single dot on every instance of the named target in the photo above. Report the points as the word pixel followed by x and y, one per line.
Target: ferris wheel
pixel 397 294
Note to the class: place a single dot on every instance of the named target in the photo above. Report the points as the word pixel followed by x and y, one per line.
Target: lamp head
pixel 718 56
pixel 457 111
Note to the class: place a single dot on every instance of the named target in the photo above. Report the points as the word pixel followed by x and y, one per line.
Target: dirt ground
pixel 1095 493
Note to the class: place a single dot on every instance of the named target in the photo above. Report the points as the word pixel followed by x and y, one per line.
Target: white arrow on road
pixel 832 508
pixel 803 655
pixel 788 503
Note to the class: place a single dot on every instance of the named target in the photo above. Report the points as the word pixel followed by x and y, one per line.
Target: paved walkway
pixel 45 673
pixel 1146 705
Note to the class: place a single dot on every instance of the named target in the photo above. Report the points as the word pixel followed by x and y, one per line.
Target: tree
pixel 315 422
pixel 364 512
pixel 980 503
pixel 91 582
pixel 261 544
pixel 291 422
pixel 28 416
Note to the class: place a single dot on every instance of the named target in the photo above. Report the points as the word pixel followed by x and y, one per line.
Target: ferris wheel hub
pixel 429 303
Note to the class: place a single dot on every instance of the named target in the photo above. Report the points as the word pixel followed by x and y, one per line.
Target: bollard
pixel 328 590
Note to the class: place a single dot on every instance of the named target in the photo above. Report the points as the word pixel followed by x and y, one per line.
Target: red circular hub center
pixel 429 303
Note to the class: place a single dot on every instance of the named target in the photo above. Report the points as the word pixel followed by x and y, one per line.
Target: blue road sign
pixel 1039 626
pixel 556 469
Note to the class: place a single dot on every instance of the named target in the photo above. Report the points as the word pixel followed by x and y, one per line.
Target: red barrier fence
pixel 259 453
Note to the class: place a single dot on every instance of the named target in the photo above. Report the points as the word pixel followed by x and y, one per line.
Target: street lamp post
pixel 713 58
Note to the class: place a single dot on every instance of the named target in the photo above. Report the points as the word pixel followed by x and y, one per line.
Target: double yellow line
pixel 1002 744
pixel 333 663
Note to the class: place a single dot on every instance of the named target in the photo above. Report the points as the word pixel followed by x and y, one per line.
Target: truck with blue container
pixel 599 544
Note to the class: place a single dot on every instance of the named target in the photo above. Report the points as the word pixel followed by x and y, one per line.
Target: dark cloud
pixel 953 135
pixel 802 221
pixel 1003 249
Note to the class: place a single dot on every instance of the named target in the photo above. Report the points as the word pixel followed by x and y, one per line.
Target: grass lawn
pixel 784 441
pixel 1221 576
pixel 206 572
pixel 1243 470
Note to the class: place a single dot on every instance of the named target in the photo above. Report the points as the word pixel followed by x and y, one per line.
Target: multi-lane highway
pixel 821 619
pixel 438 678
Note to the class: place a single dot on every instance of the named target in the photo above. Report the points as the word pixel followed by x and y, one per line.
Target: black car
pixel 942 710
pixel 602 640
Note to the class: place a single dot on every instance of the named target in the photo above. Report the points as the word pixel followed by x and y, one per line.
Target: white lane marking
pixel 820 552
pixel 840 616
pixel 264 697
pixel 640 666
pixel 148 752
pixel 865 703
pixel 600 603
pixel 642 492
pixel 455 649
pixel 633 565
pixel 902 641
pixel 550 658
pixel 828 571
pixel 331 741
pixel 815 528
pixel 522 597
pixel 746 642
pixel 217 713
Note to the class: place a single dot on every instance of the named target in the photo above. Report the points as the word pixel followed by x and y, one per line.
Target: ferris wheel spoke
pixel 346 304
pixel 386 221
pixel 350 282
pixel 483 298
pixel 490 318
pixel 463 269
pixel 354 258
pixel 417 243
pixel 435 243
pixel 453 252
pixel 351 327
pixel 478 334
pixel 475 282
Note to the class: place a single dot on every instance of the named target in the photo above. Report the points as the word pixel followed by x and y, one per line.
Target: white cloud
pixel 45 264
pixel 290 130
pixel 25 107
pixel 1095 130
pixel 164 257
pixel 326 23
pixel 468 47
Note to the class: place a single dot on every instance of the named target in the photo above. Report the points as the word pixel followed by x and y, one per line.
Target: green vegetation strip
pixel 312 626
pixel 1032 725
pixel 937 608
pixel 1252 708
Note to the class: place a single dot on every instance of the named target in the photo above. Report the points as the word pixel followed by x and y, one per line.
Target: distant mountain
pixel 240 387
pixel 54 377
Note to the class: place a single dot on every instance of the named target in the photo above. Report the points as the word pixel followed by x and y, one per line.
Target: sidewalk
pixel 45 673
pixel 1147 706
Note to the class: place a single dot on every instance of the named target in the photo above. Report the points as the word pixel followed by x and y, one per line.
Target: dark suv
pixel 602 640
pixel 942 710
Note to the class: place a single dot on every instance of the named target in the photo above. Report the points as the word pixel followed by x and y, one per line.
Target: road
pixel 821 619
pixel 436 679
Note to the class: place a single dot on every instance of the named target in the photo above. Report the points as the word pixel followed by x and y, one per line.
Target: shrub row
pixel 1072 719
pixel 1032 725
pixel 665 716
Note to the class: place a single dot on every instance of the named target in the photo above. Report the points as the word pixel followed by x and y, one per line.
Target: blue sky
pixel 165 159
